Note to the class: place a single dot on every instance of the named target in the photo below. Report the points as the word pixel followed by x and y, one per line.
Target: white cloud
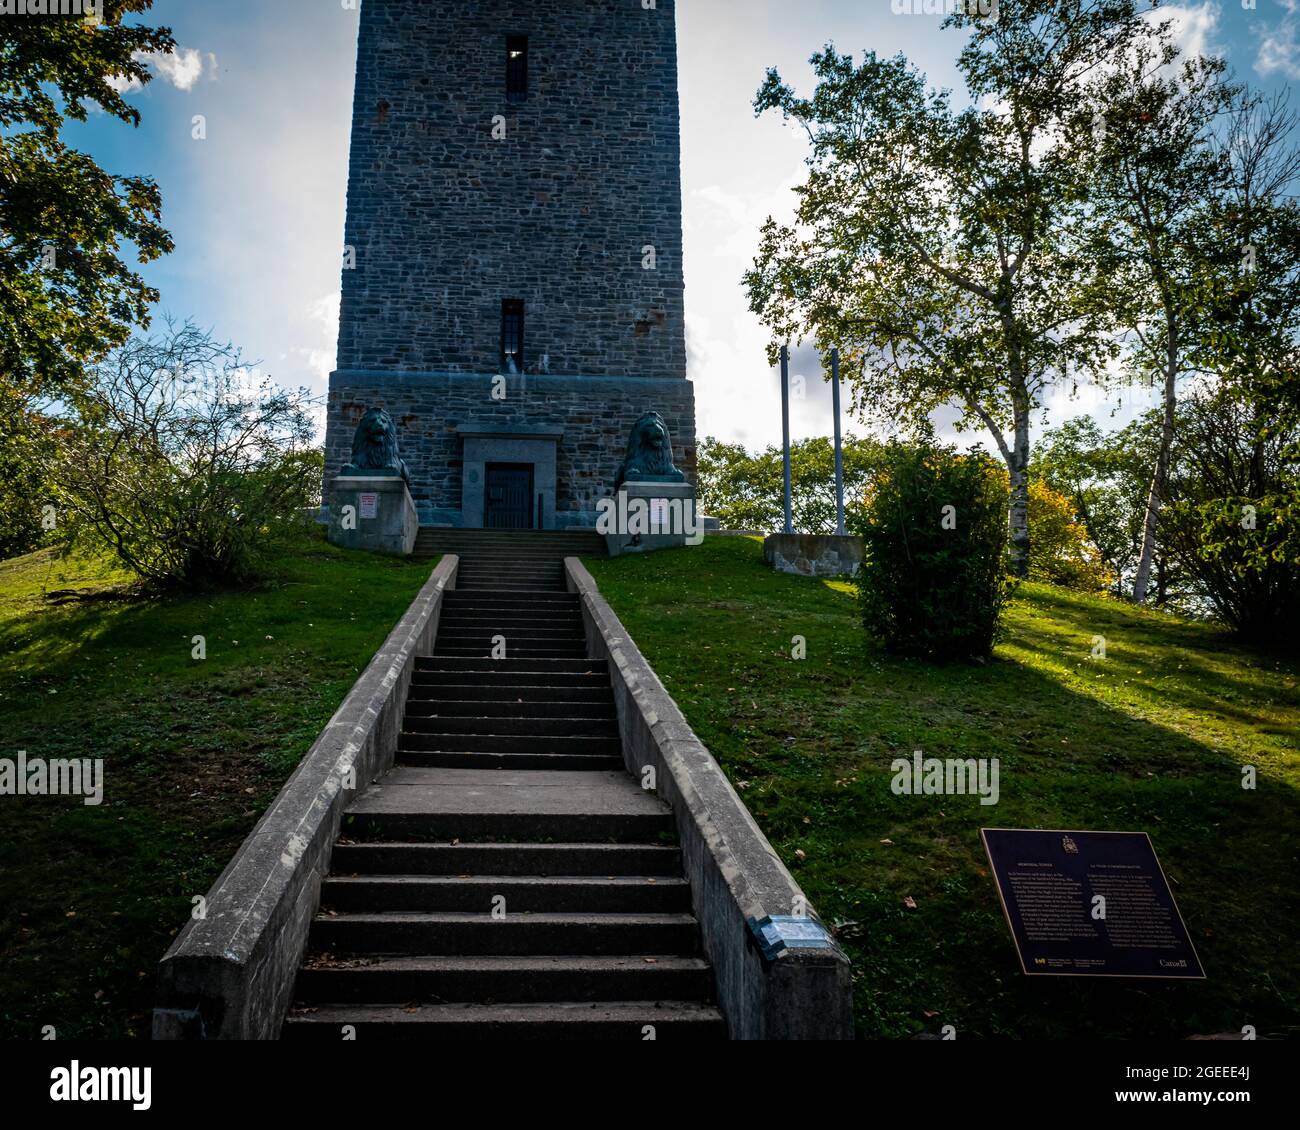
pixel 734 219
pixel 1194 26
pixel 324 311
pixel 182 68
pixel 1279 49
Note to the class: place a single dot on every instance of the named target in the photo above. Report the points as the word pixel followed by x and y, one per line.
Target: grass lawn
pixel 194 750
pixel 1152 737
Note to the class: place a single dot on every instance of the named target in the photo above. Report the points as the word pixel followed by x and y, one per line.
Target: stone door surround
pixel 486 443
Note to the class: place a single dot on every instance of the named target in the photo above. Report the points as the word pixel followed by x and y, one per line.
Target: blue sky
pixel 256 208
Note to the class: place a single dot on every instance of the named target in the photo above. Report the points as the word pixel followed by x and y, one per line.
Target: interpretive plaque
pixel 1089 903
pixel 369 504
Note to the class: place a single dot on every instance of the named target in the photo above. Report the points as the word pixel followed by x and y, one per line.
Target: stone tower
pixel 512 283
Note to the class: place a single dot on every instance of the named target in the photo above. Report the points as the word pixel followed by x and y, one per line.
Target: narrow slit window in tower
pixel 516 68
pixel 512 335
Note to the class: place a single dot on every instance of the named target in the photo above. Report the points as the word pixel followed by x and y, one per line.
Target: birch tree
pixel 940 247
pixel 1156 165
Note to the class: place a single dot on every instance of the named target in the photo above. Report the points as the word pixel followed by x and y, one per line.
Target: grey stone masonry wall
pixel 447 221
pixel 596 416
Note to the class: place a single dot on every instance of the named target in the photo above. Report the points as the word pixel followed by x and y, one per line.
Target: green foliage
pixel 66 295
pixel 1234 524
pixel 28 458
pixel 1107 477
pixel 185 467
pixel 745 491
pixel 1063 552
pixel 935 530
pixel 1253 318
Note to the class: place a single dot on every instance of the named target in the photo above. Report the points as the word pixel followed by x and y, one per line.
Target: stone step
pixel 548 894
pixel 507 760
pixel 477 708
pixel 510 574
pixel 508 560
pixel 514 979
pixel 669 1020
pixel 531 634
pixel 512 694
pixel 487 679
pixel 488 618
pixel 499 561
pixel 546 604
pixel 412 858
pixel 455 932
pixel 517 651
pixel 499 726
pixel 417 803
pixel 477 537
pixel 513 644
pixel 454 598
pixel 532 666
pixel 493 587
pixel 418 741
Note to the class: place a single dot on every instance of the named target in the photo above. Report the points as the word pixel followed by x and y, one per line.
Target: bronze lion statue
pixel 649 454
pixel 374 448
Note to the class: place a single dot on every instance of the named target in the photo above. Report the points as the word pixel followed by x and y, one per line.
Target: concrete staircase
pixel 508 879
pixel 510 561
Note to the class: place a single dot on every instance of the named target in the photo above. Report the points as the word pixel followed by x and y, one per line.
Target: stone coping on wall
pixel 343 375
pixel 778 973
pixel 230 973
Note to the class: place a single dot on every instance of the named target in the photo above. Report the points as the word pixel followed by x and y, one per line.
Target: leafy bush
pixel 186 468
pixel 1063 554
pixel 1234 522
pixel 934 581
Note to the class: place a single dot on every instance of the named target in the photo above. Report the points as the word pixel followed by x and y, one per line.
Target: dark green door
pixel 508 498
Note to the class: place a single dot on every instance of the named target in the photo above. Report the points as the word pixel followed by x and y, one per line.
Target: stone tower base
pixel 572 432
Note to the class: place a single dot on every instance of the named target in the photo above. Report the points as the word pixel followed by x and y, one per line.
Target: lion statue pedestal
pixel 653 505
pixel 370 502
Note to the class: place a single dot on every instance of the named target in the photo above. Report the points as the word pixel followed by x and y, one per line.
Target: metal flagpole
pixel 839 450
pixel 785 434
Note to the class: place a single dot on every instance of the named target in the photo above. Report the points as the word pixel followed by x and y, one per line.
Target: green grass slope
pixel 194 750
pixel 1152 737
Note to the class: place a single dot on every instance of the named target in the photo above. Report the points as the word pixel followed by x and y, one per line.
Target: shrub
pixel 186 469
pixel 1234 520
pixel 934 581
pixel 1061 551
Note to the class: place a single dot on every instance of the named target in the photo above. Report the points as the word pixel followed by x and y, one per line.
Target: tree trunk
pixel 1158 480
pixel 1018 467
